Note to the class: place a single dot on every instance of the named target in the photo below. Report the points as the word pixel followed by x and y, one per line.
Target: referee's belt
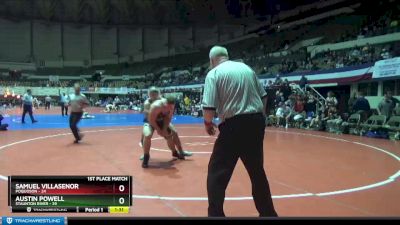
pixel 240 116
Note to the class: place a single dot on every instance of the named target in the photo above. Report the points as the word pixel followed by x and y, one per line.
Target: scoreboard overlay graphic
pixel 75 194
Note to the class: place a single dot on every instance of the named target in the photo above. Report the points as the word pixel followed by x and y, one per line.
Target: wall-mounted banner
pixel 387 68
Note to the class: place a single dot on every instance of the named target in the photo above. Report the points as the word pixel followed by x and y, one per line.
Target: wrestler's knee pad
pixel 147 131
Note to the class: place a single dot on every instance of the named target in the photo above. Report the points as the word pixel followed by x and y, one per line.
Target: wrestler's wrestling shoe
pixel 180 155
pixel 145 163
pixel 79 139
pixel 176 155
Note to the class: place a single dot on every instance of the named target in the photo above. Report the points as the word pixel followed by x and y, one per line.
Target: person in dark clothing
pixel 361 106
pixel 303 82
pixel 395 101
pixel 278 80
pixel 351 102
pixel 386 106
pixel 4 126
pixel 178 107
pixel 279 98
pixel 27 101
pixel 47 102
pixel 311 104
pixel 63 103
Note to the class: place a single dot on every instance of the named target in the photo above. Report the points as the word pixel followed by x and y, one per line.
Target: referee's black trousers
pixel 27 109
pixel 64 108
pixel 74 119
pixel 240 137
pixel 47 106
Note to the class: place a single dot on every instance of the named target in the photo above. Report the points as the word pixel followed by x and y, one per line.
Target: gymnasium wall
pixel 14 41
pixel 56 45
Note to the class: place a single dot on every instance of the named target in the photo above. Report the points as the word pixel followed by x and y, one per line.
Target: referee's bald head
pixel 218 54
pixel 153 90
pixel 218 51
pixel 77 88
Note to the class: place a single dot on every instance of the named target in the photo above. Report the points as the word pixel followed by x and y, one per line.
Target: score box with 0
pixel 67 191
pixel 71 200
pixel 63 185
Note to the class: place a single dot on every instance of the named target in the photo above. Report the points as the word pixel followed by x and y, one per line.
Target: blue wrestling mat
pixel 100 120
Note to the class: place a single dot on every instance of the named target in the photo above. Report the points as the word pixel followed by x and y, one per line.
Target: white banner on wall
pixel 53 91
pixel 54 78
pixel 38 91
pixel 387 68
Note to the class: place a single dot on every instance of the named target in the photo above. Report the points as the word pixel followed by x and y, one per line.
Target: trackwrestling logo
pixel 33 220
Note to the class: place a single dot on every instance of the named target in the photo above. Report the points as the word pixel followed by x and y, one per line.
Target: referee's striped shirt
pixel 232 88
pixel 27 99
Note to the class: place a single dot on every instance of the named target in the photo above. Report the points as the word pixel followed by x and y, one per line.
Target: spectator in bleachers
pixel 355 53
pixel 282 112
pixel 397 110
pixel 291 102
pixel 269 84
pixel 331 102
pixel 394 24
pixel 316 122
pixel 279 99
pixel 116 100
pixel 361 106
pixel 351 102
pixel 303 82
pixel 386 106
pixel 187 101
pixel 299 110
pixel 395 101
pixel 385 53
pixel 340 63
pixel 333 121
pixel 278 80
pixel 299 105
pixel 311 105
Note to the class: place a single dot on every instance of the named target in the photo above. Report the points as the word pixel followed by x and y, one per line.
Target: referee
pixel 63 103
pixel 27 101
pixel 78 102
pixel 233 91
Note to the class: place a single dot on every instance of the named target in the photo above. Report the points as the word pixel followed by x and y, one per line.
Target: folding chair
pixel 354 123
pixel 374 122
pixel 394 126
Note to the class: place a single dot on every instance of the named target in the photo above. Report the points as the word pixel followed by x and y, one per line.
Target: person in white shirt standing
pixel 63 103
pixel 27 101
pixel 233 91
pixel 77 103
pixel 47 102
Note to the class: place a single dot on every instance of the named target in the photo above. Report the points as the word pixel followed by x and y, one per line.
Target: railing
pixel 320 99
